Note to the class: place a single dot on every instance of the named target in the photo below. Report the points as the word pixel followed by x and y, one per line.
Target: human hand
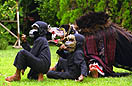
pixel 22 71
pixel 52 69
pixel 80 78
pixel 62 47
pixel 24 38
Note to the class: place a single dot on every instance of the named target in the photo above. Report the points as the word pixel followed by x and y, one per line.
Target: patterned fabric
pixel 101 48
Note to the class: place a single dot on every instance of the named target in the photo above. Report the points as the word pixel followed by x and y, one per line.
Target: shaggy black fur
pixel 91 19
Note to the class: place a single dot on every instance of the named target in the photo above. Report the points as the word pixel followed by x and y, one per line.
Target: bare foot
pixel 13 78
pixel 22 71
pixel 52 69
pixel 40 77
pixel 93 71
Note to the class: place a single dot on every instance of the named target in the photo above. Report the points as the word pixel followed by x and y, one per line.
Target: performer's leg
pixel 61 65
pixel 35 75
pixel 15 77
pixel 59 75
pixel 40 77
pixel 32 74
pixel 36 65
pixel 19 63
pixel 20 60
pixel 25 58
pixel 93 71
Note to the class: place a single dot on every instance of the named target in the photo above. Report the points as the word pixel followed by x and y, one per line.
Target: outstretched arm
pixel 79 60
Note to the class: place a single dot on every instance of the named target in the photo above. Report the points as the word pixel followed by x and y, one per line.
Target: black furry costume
pixel 106 42
pixel 38 58
pixel 72 63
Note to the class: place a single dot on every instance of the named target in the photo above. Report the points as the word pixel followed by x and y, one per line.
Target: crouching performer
pixel 38 58
pixel 107 45
pixel 71 64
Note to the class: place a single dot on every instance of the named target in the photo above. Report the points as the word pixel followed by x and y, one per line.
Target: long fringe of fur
pixel 92 22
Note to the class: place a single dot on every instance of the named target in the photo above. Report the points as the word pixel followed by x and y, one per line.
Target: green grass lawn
pixel 7 69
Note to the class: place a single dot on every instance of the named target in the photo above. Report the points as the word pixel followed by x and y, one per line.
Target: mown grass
pixel 7 69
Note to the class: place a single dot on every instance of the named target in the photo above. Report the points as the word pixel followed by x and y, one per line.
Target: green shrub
pixel 3 44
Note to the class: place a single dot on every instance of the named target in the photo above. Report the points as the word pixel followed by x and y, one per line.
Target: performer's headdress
pixel 92 21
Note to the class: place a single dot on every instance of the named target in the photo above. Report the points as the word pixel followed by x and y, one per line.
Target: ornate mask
pixel 70 43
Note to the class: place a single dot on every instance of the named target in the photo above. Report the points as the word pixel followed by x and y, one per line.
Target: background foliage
pixel 7 12
pixel 48 10
pixel 67 11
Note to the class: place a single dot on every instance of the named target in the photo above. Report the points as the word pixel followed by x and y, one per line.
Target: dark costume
pixel 69 29
pixel 37 57
pixel 106 43
pixel 123 52
pixel 71 65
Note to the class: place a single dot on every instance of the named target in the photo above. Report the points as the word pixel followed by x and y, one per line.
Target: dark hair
pixel 65 26
pixel 91 19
